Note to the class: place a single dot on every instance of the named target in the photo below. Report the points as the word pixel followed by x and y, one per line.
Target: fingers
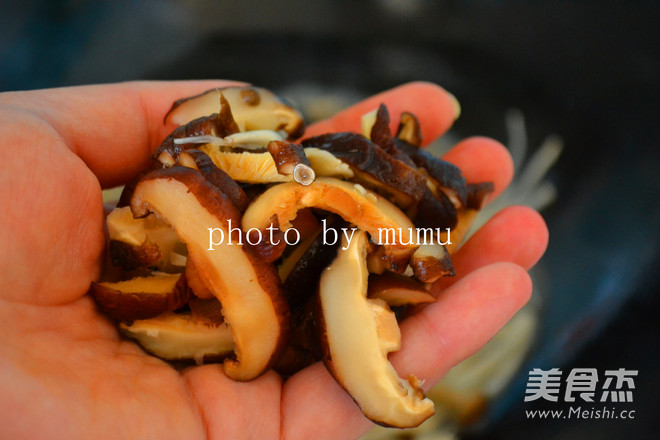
pixel 463 319
pixel 231 409
pixel 436 109
pixel 516 234
pixel 112 128
pixel 315 406
pixel 483 159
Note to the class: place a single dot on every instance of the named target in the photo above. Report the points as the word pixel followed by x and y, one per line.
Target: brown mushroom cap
pixel 248 288
pixel 434 211
pixel 446 174
pixel 141 297
pixel 253 108
pixel 357 333
pixel 373 167
pixel 144 242
pixel 477 194
pixel 382 136
pixel 351 201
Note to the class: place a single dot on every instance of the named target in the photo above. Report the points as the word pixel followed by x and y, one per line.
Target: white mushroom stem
pixel 303 174
pixel 253 140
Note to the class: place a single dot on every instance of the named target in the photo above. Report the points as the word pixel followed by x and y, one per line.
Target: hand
pixel 64 370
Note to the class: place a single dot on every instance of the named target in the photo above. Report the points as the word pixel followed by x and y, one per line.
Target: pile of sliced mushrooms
pixel 236 164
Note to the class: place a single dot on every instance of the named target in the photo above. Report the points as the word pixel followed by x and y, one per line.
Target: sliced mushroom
pixel 141 297
pixel 290 159
pixel 246 167
pixel 127 191
pixel 290 260
pixel 303 267
pixel 367 122
pixel 409 129
pixel 458 234
pixel 434 211
pixel 304 347
pixel 253 109
pixel 357 333
pixel 144 242
pixel 202 162
pixel 306 223
pixel 477 195
pixel 253 140
pixel 195 283
pixel 268 245
pixel 220 124
pixel 351 201
pixel 447 175
pixel 398 290
pixel 181 337
pixel 326 164
pixel 373 167
pixel 248 288
pixel 432 261
pixel 261 168
pixel 382 136
pixel 206 309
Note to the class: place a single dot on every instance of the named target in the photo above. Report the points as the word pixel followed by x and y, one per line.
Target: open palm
pixel 64 370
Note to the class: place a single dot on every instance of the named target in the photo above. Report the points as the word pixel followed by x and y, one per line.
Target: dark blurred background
pixel 587 71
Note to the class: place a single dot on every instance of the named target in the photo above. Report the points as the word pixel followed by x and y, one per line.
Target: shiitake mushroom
pixel 237 310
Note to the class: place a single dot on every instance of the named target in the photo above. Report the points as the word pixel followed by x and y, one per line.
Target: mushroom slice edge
pixel 357 333
pixel 249 290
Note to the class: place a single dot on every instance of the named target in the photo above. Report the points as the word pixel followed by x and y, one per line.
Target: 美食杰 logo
pixel 580 386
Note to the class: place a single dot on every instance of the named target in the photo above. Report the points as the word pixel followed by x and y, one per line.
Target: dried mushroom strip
pixel 220 124
pixel 373 167
pixel 381 135
pixel 351 201
pixel 434 211
pixel 268 245
pixel 398 290
pixel 409 129
pixel 182 337
pixel 253 108
pixel 477 196
pixel 202 162
pixel 431 262
pixel 357 333
pixel 300 280
pixel 144 242
pixel 141 297
pixel 248 288
pixel 445 174
pixel 260 167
